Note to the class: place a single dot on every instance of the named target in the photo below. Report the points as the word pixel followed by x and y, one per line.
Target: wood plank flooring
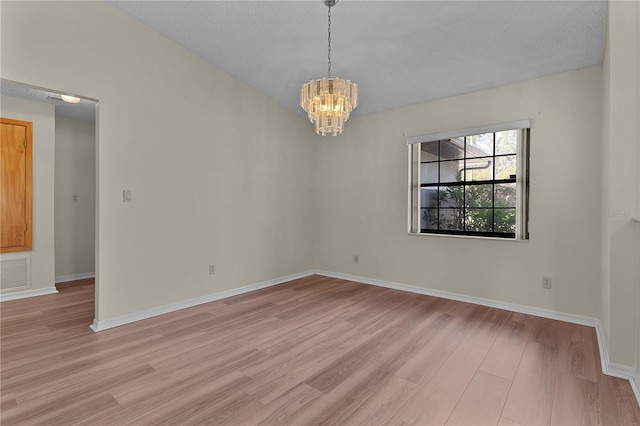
pixel 312 351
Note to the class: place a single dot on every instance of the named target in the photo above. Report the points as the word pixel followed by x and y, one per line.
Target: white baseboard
pixel 635 385
pixel 27 293
pixel 609 368
pixel 577 319
pixel 99 325
pixel 67 278
pixel 625 372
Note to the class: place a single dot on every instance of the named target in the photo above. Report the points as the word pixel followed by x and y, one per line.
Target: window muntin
pixel 474 184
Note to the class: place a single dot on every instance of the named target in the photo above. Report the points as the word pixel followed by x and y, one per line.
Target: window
pixel 470 182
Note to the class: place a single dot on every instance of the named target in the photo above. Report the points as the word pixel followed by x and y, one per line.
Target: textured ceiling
pixel 399 52
pixel 84 110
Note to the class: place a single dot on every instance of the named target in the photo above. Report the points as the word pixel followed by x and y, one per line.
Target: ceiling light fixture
pixel 329 101
pixel 70 99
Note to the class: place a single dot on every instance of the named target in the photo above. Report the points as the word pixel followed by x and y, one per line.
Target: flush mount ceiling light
pixel 329 101
pixel 70 99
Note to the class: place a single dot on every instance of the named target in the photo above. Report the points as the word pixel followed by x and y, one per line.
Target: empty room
pixel 320 212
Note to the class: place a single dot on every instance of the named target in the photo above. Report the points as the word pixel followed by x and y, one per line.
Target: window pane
pixel 451 196
pixel 506 167
pixel 504 220
pixel 452 149
pixel 479 169
pixel 507 142
pixel 429 173
pixel 480 145
pixel 505 195
pixel 428 197
pixel 429 219
pixel 468 184
pixel 451 171
pixel 451 219
pixel 479 195
pixel 429 151
pixel 479 220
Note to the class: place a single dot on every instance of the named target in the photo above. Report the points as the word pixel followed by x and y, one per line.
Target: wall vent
pixel 15 273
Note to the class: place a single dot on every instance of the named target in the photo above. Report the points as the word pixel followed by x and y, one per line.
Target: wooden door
pixel 15 185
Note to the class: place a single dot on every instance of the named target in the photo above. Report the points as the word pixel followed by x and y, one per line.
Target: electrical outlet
pixel 546 282
pixel 356 259
pixel 212 269
pixel 74 197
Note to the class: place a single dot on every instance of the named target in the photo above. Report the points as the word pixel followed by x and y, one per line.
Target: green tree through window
pixel 469 184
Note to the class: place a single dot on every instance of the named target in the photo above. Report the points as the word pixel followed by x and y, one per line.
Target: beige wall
pixel 43 119
pixel 220 173
pixel 75 171
pixel 361 198
pixel 620 311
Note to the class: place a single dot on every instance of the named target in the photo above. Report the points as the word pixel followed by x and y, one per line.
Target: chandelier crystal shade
pixel 329 101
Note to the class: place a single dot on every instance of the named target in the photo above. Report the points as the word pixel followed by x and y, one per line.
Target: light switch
pixel 127 196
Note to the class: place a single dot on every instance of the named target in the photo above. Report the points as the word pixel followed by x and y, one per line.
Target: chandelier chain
pixel 328 101
pixel 329 39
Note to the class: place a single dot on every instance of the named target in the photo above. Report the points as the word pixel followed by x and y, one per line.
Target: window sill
pixel 473 237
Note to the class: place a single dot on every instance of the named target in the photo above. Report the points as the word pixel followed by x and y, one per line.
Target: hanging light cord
pixel 329 31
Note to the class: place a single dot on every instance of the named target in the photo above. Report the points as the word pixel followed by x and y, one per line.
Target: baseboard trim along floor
pixel 75 277
pixel 308 351
pixel 609 368
pixel 99 325
pixel 27 293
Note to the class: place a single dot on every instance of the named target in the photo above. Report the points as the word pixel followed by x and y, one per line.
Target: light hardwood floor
pixel 316 350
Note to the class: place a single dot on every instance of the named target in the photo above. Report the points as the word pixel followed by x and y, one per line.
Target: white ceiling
pixel 399 52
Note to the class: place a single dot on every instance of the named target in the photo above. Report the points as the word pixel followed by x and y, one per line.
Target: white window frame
pixel 522 177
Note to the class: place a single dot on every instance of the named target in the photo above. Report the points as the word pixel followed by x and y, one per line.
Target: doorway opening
pixel 65 189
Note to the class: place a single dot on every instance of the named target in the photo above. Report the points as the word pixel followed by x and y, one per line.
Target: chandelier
pixel 329 101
